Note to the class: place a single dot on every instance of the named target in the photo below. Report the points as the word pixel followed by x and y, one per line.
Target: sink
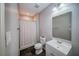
pixel 62 47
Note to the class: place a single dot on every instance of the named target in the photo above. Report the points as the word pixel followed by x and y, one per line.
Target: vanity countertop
pixel 60 45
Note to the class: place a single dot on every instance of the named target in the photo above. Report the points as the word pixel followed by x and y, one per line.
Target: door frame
pixel 2 29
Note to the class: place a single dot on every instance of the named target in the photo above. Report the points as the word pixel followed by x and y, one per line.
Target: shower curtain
pixel 27 34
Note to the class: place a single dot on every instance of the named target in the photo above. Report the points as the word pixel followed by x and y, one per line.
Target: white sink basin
pixel 59 45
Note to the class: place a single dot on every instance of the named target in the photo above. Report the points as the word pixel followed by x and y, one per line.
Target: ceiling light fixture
pixel 28 14
pixel 62 5
pixel 55 9
pixel 36 5
pixel 58 6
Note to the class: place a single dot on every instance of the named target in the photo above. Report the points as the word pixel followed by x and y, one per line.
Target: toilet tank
pixel 42 40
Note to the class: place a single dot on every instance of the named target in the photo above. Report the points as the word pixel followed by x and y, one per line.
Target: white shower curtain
pixel 27 34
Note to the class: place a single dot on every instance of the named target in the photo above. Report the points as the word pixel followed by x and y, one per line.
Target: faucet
pixel 59 42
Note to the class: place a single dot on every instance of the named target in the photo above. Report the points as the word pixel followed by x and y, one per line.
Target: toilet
pixel 39 46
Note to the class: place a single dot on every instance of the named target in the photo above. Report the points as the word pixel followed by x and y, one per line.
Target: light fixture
pixel 36 5
pixel 28 14
pixel 61 5
pixel 55 9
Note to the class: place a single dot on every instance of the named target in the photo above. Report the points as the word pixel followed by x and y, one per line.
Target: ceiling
pixel 32 8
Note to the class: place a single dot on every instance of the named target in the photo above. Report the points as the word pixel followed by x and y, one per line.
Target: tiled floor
pixel 31 52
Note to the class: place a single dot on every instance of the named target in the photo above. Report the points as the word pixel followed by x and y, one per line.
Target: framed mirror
pixel 62 26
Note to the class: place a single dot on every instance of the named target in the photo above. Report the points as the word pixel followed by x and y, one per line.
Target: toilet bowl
pixel 39 46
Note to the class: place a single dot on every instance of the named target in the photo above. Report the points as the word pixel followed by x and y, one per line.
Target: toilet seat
pixel 38 46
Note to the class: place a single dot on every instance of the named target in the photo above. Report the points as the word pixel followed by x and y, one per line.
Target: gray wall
pixel 75 29
pixel 11 25
pixel 46 26
pixel 46 22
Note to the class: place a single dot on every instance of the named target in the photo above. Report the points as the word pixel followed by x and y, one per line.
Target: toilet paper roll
pixel 43 40
pixel 8 37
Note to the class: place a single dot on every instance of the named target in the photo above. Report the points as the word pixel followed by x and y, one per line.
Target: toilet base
pixel 37 52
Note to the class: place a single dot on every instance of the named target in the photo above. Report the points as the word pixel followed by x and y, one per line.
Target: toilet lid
pixel 38 46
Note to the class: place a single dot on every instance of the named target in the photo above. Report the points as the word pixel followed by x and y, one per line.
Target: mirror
pixel 62 26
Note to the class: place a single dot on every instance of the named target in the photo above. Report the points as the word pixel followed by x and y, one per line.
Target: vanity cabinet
pixel 58 47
